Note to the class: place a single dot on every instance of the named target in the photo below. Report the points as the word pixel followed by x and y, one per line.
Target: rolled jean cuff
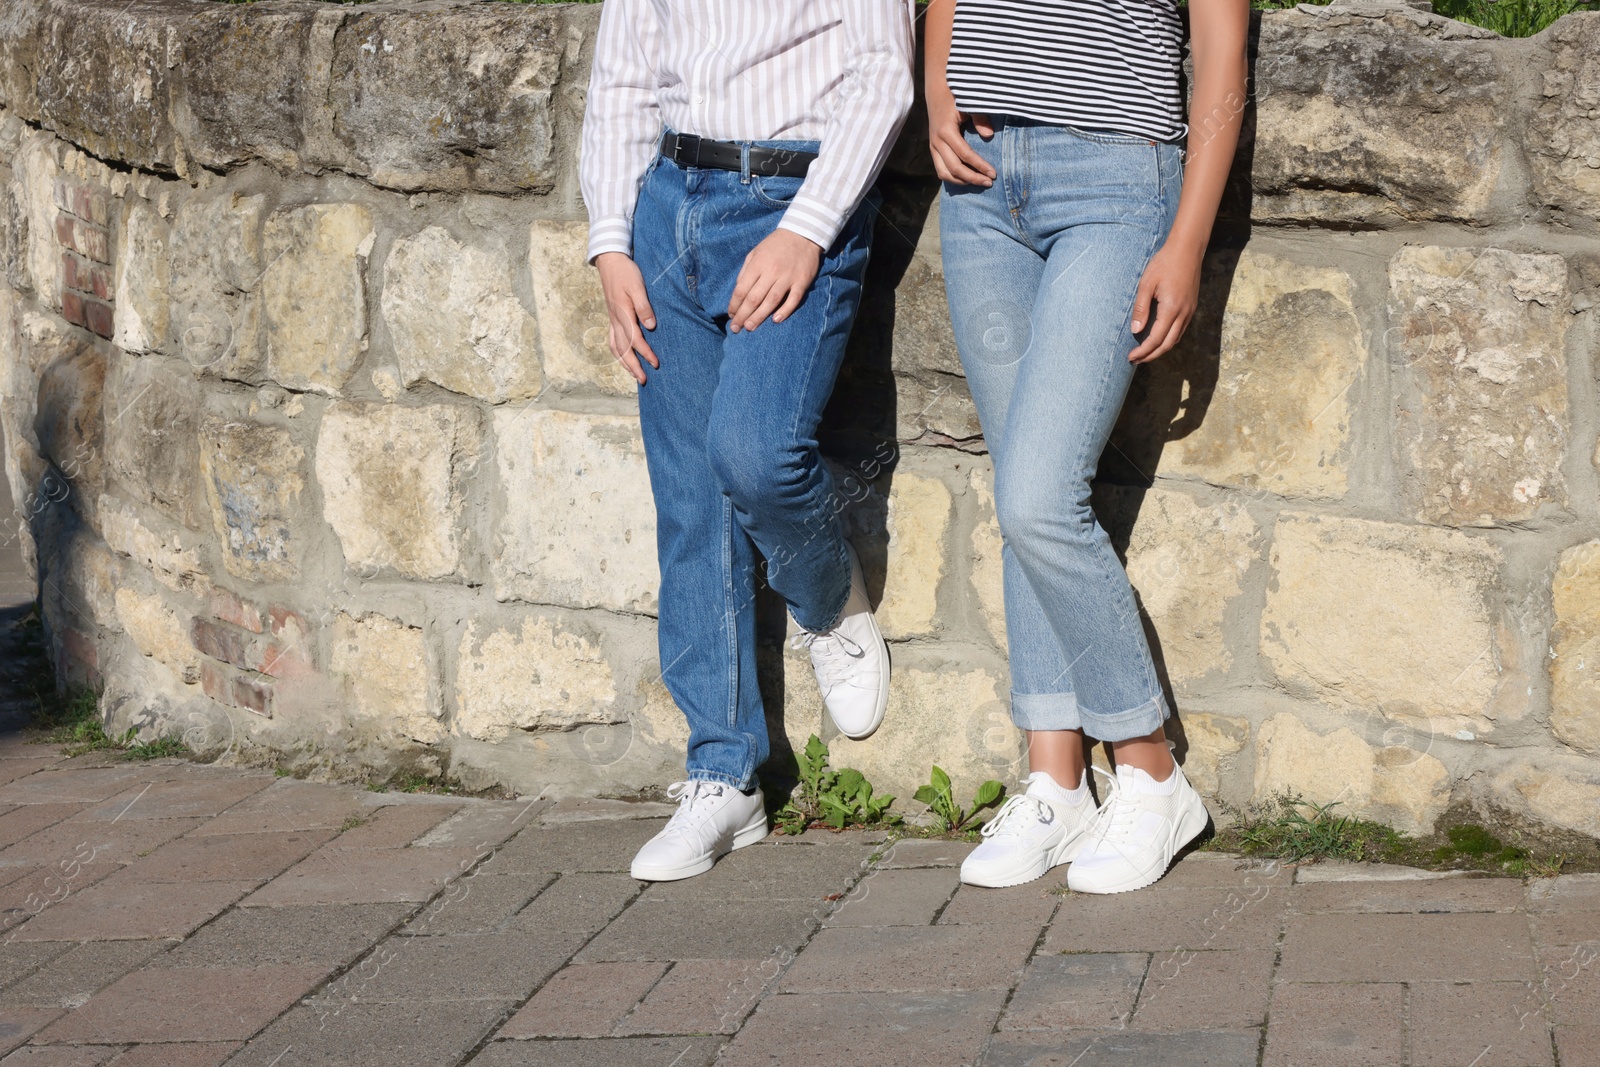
pixel 1045 711
pixel 1125 725
pixel 723 779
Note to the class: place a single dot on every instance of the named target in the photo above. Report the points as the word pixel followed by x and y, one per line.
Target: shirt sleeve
pixel 869 107
pixel 622 122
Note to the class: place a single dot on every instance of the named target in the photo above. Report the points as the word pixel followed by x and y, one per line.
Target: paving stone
pixel 43 889
pixel 577 905
pixel 20 767
pixel 1577 892
pixel 702 930
pixel 286 805
pixel 596 846
pixel 18 1023
pixel 206 1054
pixel 505 966
pixel 27 819
pixel 1120 1048
pixel 885 1029
pixel 1486 1024
pixel 1032 903
pixel 1095 989
pixel 615 1052
pixel 175 800
pixel 365 876
pixel 483 824
pixel 18 959
pixel 915 852
pixel 768 872
pixel 394 825
pixel 1224 989
pixel 1359 871
pixel 60 1056
pixel 911 959
pixel 225 857
pixel 896 897
pixel 703 997
pixel 1218 869
pixel 1432 895
pixel 1333 1025
pixel 325 936
pixel 115 911
pixel 478 903
pixel 1578 1044
pixel 73 842
pixel 408 1034
pixel 71 979
pixel 1566 928
pixel 1397 948
pixel 584 1000
pixel 184 1004
pixel 1571 979
pixel 592 809
pixel 87 786
pixel 1158 919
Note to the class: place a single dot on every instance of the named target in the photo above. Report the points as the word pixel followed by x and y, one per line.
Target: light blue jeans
pixel 1040 271
pixel 730 435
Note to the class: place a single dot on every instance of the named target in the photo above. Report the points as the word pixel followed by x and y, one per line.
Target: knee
pixel 1031 511
pixel 753 470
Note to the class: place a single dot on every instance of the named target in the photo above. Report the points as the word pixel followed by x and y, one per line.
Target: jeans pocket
pixel 1108 136
pixel 775 192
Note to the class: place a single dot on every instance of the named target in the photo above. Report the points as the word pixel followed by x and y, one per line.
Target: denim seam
pixel 719 778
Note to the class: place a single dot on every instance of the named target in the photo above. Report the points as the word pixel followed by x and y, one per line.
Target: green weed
pixel 941 801
pixel 833 798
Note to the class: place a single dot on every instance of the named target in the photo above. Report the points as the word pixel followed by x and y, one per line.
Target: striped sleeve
pixel 622 122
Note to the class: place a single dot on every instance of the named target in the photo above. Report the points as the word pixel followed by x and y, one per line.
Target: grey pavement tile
pixel 697 929
pixel 478 903
pixel 1566 927
pixel 1578 1044
pixel 896 897
pixel 881 1029
pixel 326 936
pixel 365 876
pixel 106 842
pixel 922 852
pixel 1035 902
pixel 1215 870
pixel 60 1056
pixel 18 959
pixel 1341 947
pixel 500 966
pixel 225 857
pixel 133 911
pixel 29 819
pixel 594 809
pixel 584 1000
pixel 1221 989
pixel 288 804
pixel 18 1023
pixel 1571 983
pixel 771 872
pixel 588 846
pixel 483 824
pixel 1086 989
pixel 407 1034
pixel 85 786
pixel 183 1004
pixel 1578 892
pixel 1335 1025
pixel 192 1054
pixel 614 1052
pixel 575 906
pixel 703 997
pixel 1486 1024
pixel 1157 919
pixel 1121 1048
pixel 22 766
pixel 175 799
pixel 44 888
pixel 394 825
pixel 72 978
pixel 911 959
pixel 1361 871
pixel 1423 895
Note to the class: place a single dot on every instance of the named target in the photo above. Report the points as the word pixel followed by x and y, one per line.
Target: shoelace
pixel 1012 818
pixel 1115 820
pixel 688 817
pixel 831 653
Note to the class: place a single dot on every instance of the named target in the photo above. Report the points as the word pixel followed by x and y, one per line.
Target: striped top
pixel 1096 64
pixel 833 71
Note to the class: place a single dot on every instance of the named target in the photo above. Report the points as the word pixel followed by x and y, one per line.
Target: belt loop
pixel 744 164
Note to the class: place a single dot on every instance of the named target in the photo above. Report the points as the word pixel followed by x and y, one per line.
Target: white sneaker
pixel 1030 834
pixel 712 820
pixel 1139 828
pixel 851 662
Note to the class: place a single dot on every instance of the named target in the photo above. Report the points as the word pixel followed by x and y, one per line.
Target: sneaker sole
pixel 1063 853
pixel 752 832
pixel 1189 827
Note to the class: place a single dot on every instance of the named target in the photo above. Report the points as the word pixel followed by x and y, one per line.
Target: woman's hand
pixel 1172 280
pixel 775 277
pixel 627 308
pixel 953 158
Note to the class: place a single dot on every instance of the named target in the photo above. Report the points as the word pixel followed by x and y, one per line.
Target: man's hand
pixel 953 158
pixel 1172 279
pixel 775 277
pixel 628 308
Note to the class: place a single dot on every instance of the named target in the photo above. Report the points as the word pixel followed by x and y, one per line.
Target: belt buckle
pixel 679 146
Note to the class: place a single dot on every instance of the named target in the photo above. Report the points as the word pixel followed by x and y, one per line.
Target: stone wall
pixel 323 459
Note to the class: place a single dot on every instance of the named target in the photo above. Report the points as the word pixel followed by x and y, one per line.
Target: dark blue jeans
pixel 730 424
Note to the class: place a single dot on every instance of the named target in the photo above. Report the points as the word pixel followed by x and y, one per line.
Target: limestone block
pixel 68 420
pixel 170 553
pixel 314 294
pixel 215 267
pixel 938 714
pixel 1188 562
pixel 1482 426
pixel 143 306
pixel 536 677
pixel 253 475
pixel 577 525
pixel 1400 786
pixel 919 519
pixel 385 667
pixel 571 309
pixel 1563 139
pixel 1575 649
pixel 1363 117
pixel 932 390
pixel 394 483
pixel 1561 794
pixel 158 632
pixel 1212 741
pixel 449 98
pixel 659 720
pixel 34 170
pixel 988 577
pixel 152 442
pixel 455 320
pixel 1274 405
pixel 1386 617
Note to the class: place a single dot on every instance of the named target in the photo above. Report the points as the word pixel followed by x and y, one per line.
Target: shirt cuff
pixel 813 220
pixel 611 234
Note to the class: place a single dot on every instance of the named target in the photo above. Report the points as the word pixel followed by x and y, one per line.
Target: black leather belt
pixel 687 150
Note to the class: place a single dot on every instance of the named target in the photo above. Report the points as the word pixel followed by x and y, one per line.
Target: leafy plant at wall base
pixel 835 798
pixel 941 800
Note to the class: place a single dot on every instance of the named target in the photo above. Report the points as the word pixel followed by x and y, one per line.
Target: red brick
pixel 65 232
pixel 91 204
pixel 247 651
pixel 223 684
pixel 93 241
pixel 98 282
pixel 98 318
pixel 69 271
pixel 62 194
pixel 280 619
pixel 229 608
pixel 72 308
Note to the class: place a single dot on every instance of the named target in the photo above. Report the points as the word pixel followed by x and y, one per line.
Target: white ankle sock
pixel 1146 784
pixel 1041 784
